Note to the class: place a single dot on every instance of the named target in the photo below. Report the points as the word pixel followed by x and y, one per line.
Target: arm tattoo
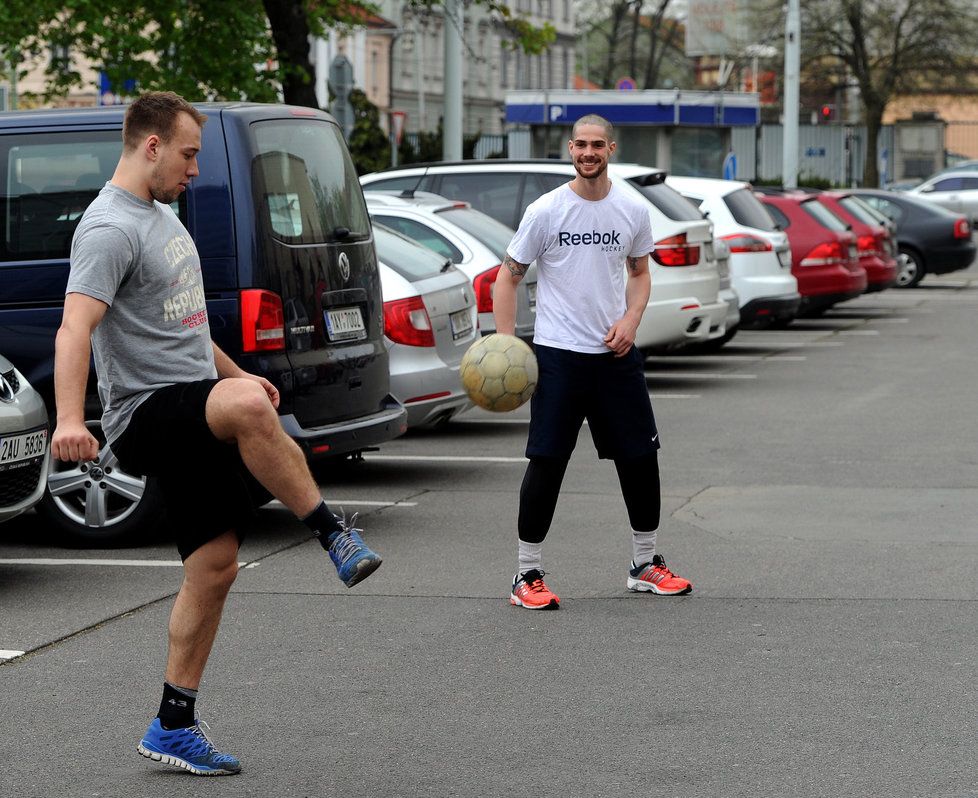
pixel 632 263
pixel 516 269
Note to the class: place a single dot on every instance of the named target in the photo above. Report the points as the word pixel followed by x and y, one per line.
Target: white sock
pixel 643 546
pixel 530 557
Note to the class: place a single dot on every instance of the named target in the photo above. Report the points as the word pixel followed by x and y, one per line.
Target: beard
pixel 601 171
pixel 158 189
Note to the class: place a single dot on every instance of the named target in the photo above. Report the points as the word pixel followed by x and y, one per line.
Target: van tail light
pixel 742 242
pixel 828 253
pixel 676 251
pixel 406 322
pixel 262 321
pixel 483 284
pixel 962 229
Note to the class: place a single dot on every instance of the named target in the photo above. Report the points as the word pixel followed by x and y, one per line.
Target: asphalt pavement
pixel 820 486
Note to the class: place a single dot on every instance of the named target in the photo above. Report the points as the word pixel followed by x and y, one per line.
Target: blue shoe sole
pixel 365 567
pixel 168 759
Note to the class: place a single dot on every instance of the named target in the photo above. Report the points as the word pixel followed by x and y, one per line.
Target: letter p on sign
pixel 556 112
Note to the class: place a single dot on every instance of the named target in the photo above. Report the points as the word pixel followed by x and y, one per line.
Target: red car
pixel 824 257
pixel 874 244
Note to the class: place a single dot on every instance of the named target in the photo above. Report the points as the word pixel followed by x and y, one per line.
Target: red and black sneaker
pixel 655 577
pixel 530 592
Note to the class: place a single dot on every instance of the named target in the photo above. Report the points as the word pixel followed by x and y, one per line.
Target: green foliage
pixel 369 145
pixel 202 49
pixel 427 147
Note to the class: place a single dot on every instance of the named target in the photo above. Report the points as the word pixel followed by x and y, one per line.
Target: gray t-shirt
pixel 136 257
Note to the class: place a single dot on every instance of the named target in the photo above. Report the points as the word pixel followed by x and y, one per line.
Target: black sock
pixel 323 523
pixel 177 707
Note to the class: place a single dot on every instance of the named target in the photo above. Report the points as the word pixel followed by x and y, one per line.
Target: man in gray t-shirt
pixel 175 406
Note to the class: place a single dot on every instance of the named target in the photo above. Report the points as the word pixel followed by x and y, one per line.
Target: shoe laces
pixel 345 544
pixel 204 742
pixel 536 584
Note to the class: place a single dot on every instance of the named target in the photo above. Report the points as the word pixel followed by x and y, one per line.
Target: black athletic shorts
pixel 610 392
pixel 206 486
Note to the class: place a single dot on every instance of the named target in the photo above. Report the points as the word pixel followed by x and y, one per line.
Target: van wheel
pixel 97 504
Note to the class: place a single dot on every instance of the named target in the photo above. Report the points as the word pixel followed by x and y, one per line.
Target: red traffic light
pixel 827 113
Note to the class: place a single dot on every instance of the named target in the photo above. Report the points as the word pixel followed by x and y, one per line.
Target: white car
pixel 473 241
pixel 24 448
pixel 685 306
pixel 760 255
pixel 956 191
pixel 429 323
pixel 727 293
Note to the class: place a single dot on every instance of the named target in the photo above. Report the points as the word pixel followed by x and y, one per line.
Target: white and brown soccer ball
pixel 499 372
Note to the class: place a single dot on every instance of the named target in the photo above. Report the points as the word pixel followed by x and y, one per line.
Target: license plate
pixel 784 255
pixel 531 294
pixel 345 324
pixel 19 448
pixel 461 321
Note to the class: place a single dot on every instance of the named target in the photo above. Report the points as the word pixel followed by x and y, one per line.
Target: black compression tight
pixel 639 479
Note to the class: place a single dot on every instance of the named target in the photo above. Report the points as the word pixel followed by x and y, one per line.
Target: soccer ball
pixel 499 372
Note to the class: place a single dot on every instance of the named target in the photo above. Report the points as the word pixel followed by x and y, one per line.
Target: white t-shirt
pixel 580 248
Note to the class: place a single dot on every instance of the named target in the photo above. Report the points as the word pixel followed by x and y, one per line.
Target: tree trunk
pixel 290 32
pixel 874 122
pixel 618 12
pixel 633 40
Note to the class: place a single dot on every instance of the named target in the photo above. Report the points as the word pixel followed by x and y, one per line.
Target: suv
pixel 684 307
pixel 474 242
pixel 290 275
pixel 760 258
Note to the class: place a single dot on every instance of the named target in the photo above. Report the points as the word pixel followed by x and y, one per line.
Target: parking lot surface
pixel 820 486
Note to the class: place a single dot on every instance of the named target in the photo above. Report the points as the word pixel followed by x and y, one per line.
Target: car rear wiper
pixel 446 265
pixel 345 234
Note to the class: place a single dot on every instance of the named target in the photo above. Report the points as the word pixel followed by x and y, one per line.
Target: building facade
pixel 493 64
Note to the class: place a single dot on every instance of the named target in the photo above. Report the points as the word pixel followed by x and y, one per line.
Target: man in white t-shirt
pixel 583 235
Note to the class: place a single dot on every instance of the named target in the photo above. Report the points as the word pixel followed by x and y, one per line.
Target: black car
pixel 931 240
pixel 290 276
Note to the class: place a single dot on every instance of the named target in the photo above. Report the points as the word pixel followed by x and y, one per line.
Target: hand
pixel 270 389
pixel 621 336
pixel 72 442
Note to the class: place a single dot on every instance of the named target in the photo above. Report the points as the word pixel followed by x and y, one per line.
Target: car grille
pixel 16 484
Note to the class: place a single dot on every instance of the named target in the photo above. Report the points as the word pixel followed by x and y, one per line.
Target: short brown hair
pixel 594 119
pixel 155 112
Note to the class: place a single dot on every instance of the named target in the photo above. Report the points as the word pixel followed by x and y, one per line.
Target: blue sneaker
pixel 354 561
pixel 188 749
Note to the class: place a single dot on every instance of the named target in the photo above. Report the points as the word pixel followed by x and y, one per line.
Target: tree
pixel 890 47
pixel 634 39
pixel 202 49
pixel 369 146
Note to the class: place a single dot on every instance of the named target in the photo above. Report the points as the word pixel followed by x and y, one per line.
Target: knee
pixel 218 577
pixel 243 406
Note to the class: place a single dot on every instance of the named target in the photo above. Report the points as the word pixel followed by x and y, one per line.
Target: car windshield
pixel 823 215
pixel 495 235
pixel 748 210
pixel 410 260
pixel 670 202
pixel 305 185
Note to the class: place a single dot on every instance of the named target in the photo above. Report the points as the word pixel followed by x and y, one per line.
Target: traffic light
pixel 826 113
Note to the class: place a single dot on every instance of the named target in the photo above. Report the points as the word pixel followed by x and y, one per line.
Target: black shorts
pixel 610 392
pixel 207 487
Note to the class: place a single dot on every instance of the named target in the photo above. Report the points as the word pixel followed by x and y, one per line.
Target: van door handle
pixel 355 382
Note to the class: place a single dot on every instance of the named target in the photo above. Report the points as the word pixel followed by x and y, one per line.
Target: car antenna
pixel 408 193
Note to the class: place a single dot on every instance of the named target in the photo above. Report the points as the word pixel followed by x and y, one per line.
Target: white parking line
pixel 352 503
pixel 859 332
pixel 776 343
pixel 700 375
pixel 93 561
pixel 10 653
pixel 439 458
pixel 674 395
pixel 719 359
pixel 893 320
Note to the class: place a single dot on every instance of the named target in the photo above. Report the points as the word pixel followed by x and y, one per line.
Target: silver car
pixel 956 191
pixel 474 241
pixel 429 322
pixel 24 448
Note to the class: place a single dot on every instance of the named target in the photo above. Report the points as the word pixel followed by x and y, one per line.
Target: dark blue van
pixel 293 289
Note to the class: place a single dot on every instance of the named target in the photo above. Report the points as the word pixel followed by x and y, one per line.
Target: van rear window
pixel 305 185
pixel 47 181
